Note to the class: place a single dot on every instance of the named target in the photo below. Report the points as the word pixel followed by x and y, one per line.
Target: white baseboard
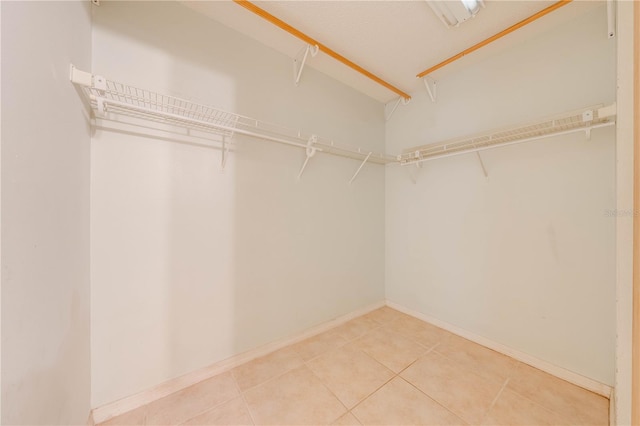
pixel 562 373
pixel 121 406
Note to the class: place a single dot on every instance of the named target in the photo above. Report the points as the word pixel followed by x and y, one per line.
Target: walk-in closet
pixel 319 212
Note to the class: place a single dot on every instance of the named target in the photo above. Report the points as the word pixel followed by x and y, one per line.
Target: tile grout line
pixel 434 400
pixel 213 406
pixel 244 399
pixel 242 395
pixel 305 363
pixel 204 411
pixel 366 354
pixel 396 375
pixel 330 391
pixel 504 386
pixel 562 416
pixel 246 404
pixel 350 410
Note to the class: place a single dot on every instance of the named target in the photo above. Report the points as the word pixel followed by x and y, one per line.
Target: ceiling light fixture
pixel 453 12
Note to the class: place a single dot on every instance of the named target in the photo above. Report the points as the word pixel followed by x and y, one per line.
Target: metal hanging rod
pixel 313 42
pixel 495 37
pixel 106 97
pixel 583 120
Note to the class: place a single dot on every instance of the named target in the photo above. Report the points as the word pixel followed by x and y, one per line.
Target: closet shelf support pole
pixel 388 115
pixel 225 152
pixel 299 63
pixel 360 168
pixel 484 170
pixel 430 85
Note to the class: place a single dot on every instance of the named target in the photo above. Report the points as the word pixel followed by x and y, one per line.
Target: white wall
pixel 45 216
pixel 191 265
pixel 526 257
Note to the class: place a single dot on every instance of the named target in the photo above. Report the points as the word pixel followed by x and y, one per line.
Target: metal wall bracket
pixel 430 85
pixel 301 59
pixel 413 173
pixel 389 113
pixel 360 168
pixel 484 169
pixel 95 2
pixel 87 79
pixel 311 151
pixel 225 152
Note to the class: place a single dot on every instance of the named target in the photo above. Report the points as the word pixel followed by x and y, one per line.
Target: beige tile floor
pixel 383 368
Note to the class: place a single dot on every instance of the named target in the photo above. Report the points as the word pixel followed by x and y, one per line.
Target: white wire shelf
pixel 113 99
pixel 583 120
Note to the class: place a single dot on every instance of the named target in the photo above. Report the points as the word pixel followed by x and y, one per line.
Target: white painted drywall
pixel 525 258
pixel 624 218
pixel 45 214
pixel 191 264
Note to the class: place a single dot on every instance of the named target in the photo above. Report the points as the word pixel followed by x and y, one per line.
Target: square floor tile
pixel 399 403
pixel 463 392
pixel 192 401
pixel 570 401
pixel 350 374
pixel 233 412
pixel 262 369
pixel 295 398
pixel 391 349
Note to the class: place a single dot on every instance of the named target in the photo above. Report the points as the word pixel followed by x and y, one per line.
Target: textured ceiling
pixel 393 39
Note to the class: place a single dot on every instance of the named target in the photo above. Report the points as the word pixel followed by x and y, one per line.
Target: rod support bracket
pixel 430 85
pixel 225 152
pixel 389 113
pixel 301 59
pixel 360 168
pixel 310 151
pixel 484 169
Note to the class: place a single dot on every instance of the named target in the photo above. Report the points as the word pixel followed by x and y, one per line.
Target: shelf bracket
pixel 225 152
pixel 484 169
pixel 311 151
pixel 360 168
pixel 301 59
pixel 389 114
pixel 587 118
pixel 430 85
pixel 413 174
pixel 86 79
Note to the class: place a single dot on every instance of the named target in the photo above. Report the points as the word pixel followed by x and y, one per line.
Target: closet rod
pixel 313 42
pixel 495 37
